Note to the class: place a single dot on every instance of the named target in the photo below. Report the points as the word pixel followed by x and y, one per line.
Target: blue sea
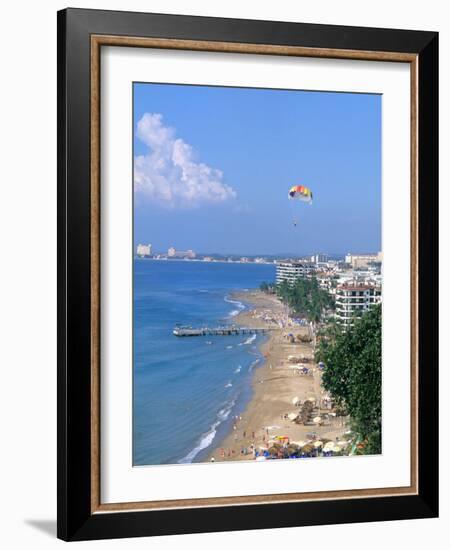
pixel 187 390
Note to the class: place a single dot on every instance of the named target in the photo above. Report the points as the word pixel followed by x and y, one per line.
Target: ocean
pixel 186 391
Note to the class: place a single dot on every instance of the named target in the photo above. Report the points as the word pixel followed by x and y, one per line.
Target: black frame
pixel 75 521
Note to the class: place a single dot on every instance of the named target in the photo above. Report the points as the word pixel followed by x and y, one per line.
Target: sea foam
pixel 208 437
pixel 240 306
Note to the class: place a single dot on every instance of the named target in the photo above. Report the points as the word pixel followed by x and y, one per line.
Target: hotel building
pixel 291 271
pixel 319 258
pixel 353 300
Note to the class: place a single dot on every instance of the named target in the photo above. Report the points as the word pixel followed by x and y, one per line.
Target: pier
pixel 217 331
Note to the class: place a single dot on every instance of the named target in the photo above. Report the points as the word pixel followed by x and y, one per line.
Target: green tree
pixel 305 298
pixel 352 375
pixel 267 287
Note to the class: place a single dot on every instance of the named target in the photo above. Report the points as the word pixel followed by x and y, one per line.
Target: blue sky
pixel 213 167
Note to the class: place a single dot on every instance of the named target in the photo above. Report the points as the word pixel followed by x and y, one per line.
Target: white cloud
pixel 169 174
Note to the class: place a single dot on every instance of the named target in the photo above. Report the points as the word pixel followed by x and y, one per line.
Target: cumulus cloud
pixel 169 173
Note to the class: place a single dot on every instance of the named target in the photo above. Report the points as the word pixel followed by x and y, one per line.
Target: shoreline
pixel 278 387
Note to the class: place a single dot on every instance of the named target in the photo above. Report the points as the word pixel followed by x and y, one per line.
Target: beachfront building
pixel 353 300
pixel 358 261
pixel 144 250
pixel 291 271
pixel 186 254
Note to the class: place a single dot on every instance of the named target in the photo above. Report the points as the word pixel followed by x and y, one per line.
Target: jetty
pixel 217 331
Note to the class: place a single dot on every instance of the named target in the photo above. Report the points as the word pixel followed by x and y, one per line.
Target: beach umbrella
pixel 307 449
pixel 295 400
pixel 317 444
pixel 292 416
pixel 317 419
pixel 328 446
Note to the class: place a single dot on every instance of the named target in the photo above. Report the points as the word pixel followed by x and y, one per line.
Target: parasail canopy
pixel 300 192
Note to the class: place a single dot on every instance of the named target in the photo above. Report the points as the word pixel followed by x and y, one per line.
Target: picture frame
pixel 81 36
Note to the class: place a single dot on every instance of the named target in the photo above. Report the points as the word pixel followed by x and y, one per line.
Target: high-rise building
pixel 144 250
pixel 291 271
pixel 319 258
pixel 353 300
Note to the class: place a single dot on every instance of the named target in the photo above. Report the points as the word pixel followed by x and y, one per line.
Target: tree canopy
pixel 267 287
pixel 306 298
pixel 352 375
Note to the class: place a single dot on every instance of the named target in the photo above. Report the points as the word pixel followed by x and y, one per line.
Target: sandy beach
pixel 280 386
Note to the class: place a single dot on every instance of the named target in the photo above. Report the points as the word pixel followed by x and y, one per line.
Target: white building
pixel 319 258
pixel 291 271
pixel 327 281
pixel 353 300
pixel 174 253
pixel 363 260
pixel 144 250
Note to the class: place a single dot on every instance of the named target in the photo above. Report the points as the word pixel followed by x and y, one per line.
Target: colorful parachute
pixel 302 193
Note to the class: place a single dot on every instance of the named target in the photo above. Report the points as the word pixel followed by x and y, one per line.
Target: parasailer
pixel 300 193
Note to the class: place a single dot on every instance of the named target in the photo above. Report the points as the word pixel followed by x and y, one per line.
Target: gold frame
pixel 97 41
